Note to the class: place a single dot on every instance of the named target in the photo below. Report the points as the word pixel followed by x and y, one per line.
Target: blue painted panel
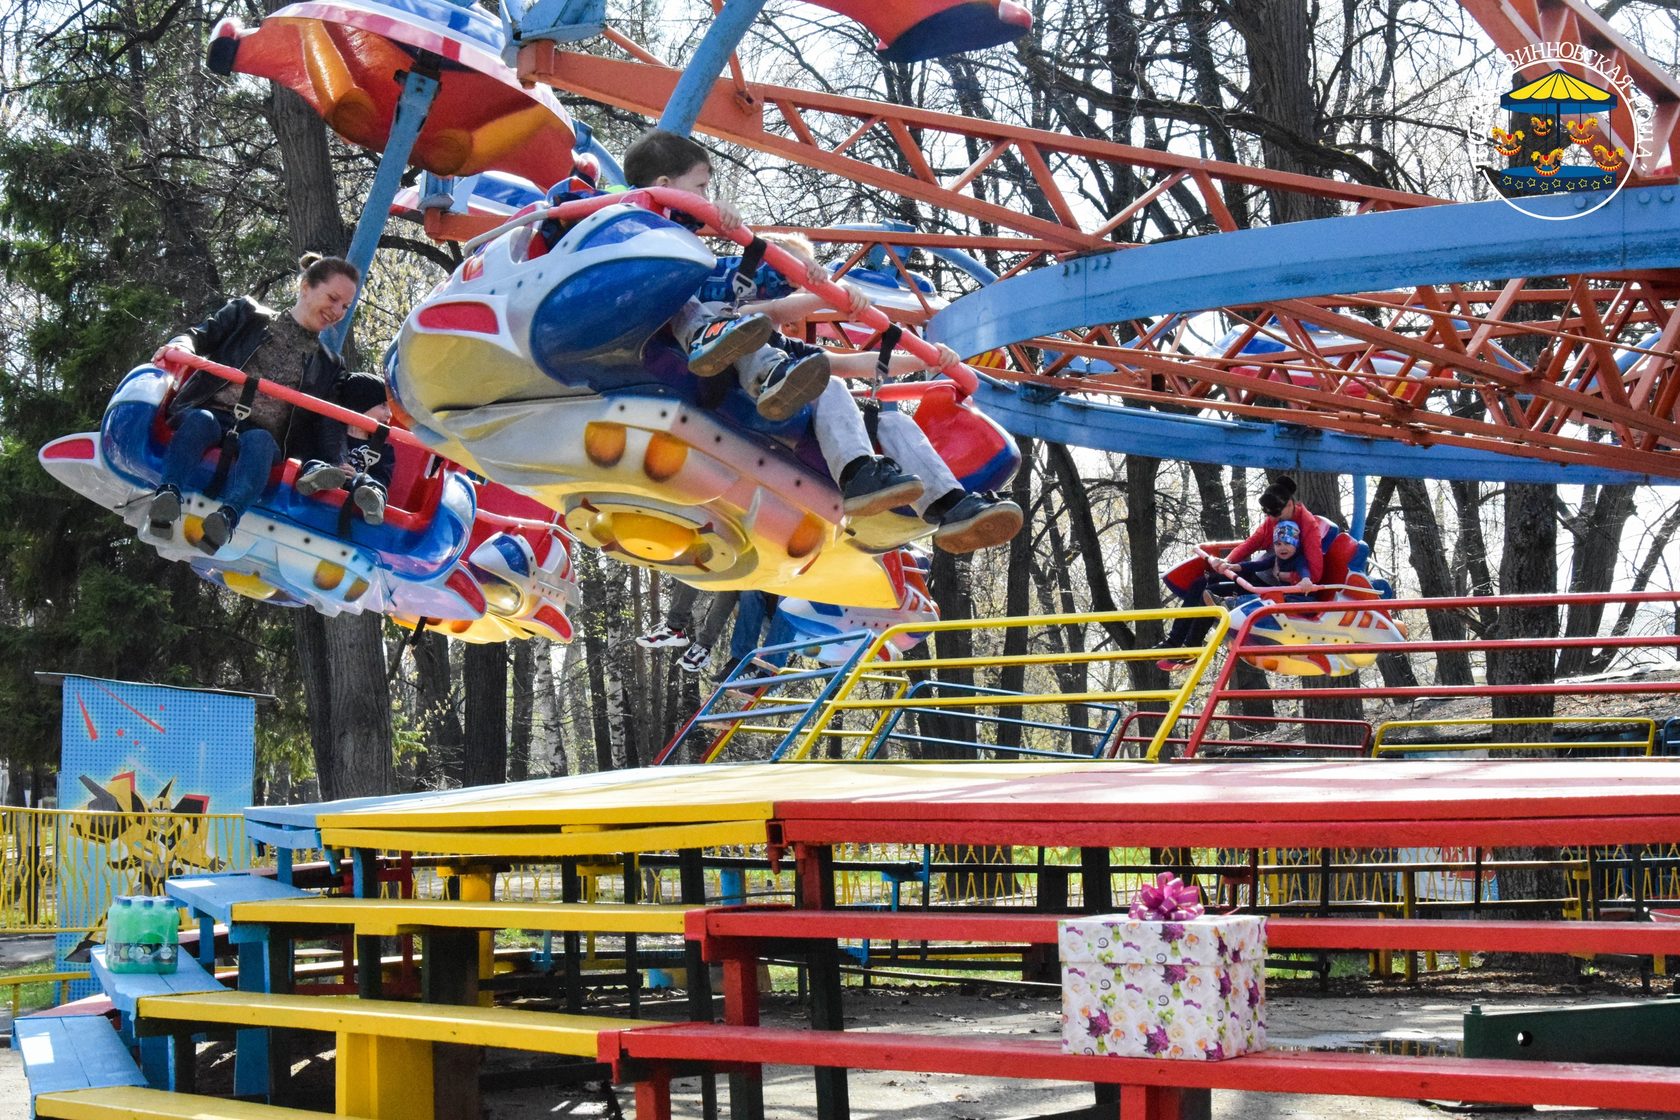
pixel 215 895
pixel 125 989
pixel 287 838
pixel 133 749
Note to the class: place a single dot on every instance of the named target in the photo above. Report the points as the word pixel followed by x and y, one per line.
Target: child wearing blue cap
pixel 1285 566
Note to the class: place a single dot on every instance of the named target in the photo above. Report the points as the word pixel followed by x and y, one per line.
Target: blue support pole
pixel 710 57
pixel 437 192
pixel 877 256
pixel 1357 525
pixel 415 103
pixel 611 173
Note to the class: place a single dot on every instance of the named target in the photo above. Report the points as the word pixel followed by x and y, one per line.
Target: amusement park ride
pixel 541 402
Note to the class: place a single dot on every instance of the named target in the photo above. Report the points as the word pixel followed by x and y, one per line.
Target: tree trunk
pixel 592 623
pixel 948 583
pixel 440 719
pixel 1055 596
pixel 1435 579
pixel 1528 567
pixel 484 673
pixel 1076 507
pixel 1597 532
pixel 1323 496
pixel 524 703
pixel 1017 599
pixel 548 753
pixel 1278 38
pixel 349 717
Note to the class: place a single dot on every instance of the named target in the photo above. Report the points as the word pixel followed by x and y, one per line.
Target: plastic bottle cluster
pixel 140 934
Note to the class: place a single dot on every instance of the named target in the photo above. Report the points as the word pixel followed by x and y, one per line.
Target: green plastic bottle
pixel 119 935
pixel 167 924
pixel 156 936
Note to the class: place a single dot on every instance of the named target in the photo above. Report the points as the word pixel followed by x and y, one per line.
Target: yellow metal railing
pixel 846 697
pixel 1415 746
pixel 60 868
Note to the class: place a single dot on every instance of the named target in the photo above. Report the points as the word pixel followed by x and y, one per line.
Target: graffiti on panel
pixel 143 767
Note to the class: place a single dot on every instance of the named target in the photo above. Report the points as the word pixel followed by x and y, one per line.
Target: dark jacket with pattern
pixel 230 337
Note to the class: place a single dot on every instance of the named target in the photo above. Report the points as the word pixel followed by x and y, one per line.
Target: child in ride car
pixel 1285 566
pixel 963 521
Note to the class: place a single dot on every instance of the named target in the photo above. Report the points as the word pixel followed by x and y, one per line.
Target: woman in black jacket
pixel 279 346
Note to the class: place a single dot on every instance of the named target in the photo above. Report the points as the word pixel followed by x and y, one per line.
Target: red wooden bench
pixel 1150 1089
pixel 737 937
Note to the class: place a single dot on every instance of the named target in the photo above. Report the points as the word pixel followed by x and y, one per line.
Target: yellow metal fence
pixel 60 868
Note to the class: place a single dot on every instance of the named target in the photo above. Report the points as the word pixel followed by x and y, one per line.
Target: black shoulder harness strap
pixel 743 282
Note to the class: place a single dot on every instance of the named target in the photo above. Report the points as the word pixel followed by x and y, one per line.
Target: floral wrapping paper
pixel 1192 990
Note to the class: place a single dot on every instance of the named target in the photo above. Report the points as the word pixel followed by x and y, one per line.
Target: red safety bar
pixel 1361 747
pixel 179 356
pixel 784 262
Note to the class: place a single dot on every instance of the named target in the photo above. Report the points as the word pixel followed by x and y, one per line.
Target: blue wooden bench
pixel 68 1052
pixel 127 989
pixel 210 899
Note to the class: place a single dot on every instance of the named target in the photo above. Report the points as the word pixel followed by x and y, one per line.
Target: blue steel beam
pixel 1638 230
pixel 416 101
pixel 1027 410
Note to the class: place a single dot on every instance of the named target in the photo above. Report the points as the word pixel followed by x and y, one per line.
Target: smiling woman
pixel 254 429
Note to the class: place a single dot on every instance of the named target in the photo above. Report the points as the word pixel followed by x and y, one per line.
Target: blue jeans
pixel 201 429
pixel 749 624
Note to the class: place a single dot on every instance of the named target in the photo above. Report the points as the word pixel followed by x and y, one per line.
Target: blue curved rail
pixel 1027 410
pixel 1637 230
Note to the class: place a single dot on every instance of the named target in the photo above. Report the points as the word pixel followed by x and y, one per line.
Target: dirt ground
pixel 1355 1014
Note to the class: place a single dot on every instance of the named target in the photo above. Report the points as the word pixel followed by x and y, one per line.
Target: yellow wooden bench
pixel 388 917
pixel 129 1103
pixel 385 1046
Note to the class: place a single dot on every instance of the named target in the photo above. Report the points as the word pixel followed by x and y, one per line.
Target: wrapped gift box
pixel 1193 990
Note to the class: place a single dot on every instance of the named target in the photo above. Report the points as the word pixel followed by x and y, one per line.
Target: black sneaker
pixel 316 476
pixel 723 342
pixel 218 529
pixel 977 521
pixel 878 485
pixel 164 510
pixel 370 499
pixel 792 384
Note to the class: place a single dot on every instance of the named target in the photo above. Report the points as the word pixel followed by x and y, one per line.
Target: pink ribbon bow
pixel 1167 900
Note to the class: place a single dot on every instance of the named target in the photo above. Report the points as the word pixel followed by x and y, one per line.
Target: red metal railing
pixel 1116 747
pixel 1242 643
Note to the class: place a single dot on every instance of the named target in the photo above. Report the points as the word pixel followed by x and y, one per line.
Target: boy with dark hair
pixel 780 376
pixel 779 382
